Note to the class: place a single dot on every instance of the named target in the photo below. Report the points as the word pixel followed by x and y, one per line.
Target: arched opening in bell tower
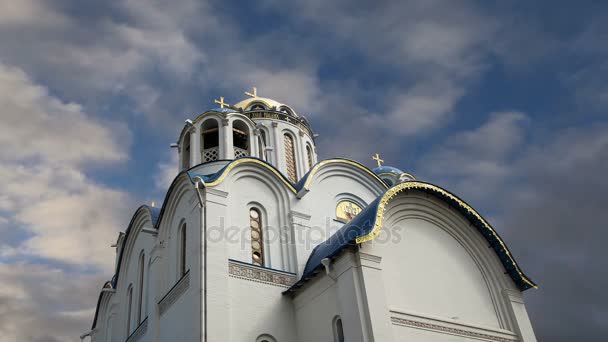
pixel 210 141
pixel 240 139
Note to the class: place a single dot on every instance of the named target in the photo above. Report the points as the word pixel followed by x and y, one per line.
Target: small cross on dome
pixel 377 158
pixel 222 103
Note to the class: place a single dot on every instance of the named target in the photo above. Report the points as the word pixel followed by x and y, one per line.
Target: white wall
pixel 437 276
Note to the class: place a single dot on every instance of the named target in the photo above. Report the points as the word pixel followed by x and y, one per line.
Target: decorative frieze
pixel 171 297
pixel 450 330
pixel 260 274
pixel 139 332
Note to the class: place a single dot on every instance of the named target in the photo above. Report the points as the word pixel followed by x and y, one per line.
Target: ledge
pixel 258 274
pixel 176 291
pixel 141 330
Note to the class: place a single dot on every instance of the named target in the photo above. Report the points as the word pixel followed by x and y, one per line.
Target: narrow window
pixel 141 287
pixel 182 250
pixel 338 330
pixel 262 145
pixel 290 158
pixel 129 305
pixel 257 242
pixel 309 155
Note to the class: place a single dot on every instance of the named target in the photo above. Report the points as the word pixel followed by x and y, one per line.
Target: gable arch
pixel 341 167
pixel 273 200
pixel 449 258
pixel 368 224
pixel 144 216
pixel 179 189
pixel 370 230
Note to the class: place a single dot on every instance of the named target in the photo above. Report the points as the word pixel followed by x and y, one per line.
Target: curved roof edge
pixel 367 225
pixel 154 216
pixel 304 182
pixel 219 176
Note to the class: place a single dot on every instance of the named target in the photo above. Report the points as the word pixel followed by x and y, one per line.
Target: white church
pixel 259 241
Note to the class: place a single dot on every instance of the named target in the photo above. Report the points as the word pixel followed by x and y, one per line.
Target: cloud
pixel 478 162
pixel 26 11
pixel 38 126
pixel 47 143
pixel 167 171
pixel 39 303
pixel 419 110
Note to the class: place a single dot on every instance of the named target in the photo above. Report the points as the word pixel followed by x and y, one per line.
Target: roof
pixel 269 103
pixel 366 226
pixel 387 169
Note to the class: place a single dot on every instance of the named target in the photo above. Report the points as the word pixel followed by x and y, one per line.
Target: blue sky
pixel 503 103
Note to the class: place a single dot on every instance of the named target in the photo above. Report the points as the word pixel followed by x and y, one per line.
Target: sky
pixel 503 103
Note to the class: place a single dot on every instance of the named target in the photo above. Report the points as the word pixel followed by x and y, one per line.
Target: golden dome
pixel 265 103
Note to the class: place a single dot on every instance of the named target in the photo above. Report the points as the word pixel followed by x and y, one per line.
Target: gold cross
pixel 377 158
pixel 254 94
pixel 221 102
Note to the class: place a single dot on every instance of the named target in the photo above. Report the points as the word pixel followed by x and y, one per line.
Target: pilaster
pixel 373 288
pixel 523 327
pixel 195 146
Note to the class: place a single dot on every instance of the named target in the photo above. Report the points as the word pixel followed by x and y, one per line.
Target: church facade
pixel 258 241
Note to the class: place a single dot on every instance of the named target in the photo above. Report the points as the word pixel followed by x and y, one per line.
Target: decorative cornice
pixel 450 330
pixel 139 332
pixel 258 274
pixel 176 291
pixel 369 257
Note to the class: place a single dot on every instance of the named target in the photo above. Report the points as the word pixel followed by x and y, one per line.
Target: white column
pixel 195 146
pixel 226 150
pixel 278 153
pixel 351 299
pixel 301 155
pixel 372 284
pixel 254 147
pixel 155 289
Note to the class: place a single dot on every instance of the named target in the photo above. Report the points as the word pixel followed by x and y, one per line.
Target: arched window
pixel 210 141
pixel 286 110
pixel 265 338
pixel 309 156
pixel 262 144
pixel 257 241
pixel 258 106
pixel 290 158
pixel 140 290
pixel 240 139
pixel 338 330
pixel 186 152
pixel 129 307
pixel 182 250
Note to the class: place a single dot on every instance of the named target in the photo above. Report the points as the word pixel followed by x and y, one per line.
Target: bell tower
pixel 254 127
